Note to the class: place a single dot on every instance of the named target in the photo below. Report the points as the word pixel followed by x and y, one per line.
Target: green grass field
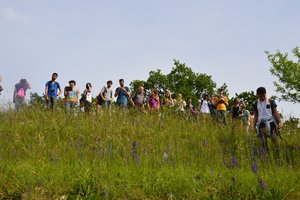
pixel 140 156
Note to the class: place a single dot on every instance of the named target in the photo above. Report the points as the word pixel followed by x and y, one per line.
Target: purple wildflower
pixel 234 161
pixel 205 142
pixel 255 153
pixel 263 151
pixel 262 185
pixel 134 153
pixel 254 168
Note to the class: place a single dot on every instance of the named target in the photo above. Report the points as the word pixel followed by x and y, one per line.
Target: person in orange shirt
pixel 221 103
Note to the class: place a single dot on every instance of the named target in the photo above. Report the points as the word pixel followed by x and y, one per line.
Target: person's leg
pixel 273 133
pixel 68 105
pixel 262 136
pixel 19 103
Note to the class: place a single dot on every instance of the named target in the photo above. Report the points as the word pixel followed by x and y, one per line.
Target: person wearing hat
pixel 221 103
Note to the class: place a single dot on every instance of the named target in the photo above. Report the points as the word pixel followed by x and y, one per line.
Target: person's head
pixel 236 101
pixel 121 82
pixel 72 83
pixel 168 94
pixel 54 76
pixel 179 96
pixel 88 86
pixel 204 95
pixel 23 81
pixel 261 93
pixel 154 92
pixel 109 83
pixel 190 100
pixel 243 106
pixel 141 89
pixel 220 91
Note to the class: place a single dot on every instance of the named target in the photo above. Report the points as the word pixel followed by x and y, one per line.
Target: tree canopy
pixel 288 73
pixel 181 79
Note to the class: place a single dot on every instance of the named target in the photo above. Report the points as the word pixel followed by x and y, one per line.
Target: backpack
pixel 99 99
pixel 82 99
pixel 21 92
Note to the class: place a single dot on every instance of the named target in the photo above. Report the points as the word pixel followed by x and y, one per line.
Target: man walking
pixel 266 118
pixel 123 94
pixel 52 91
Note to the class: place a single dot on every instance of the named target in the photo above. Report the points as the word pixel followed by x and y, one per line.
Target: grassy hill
pixel 140 156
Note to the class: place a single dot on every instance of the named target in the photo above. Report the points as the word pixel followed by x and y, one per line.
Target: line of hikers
pixel 264 118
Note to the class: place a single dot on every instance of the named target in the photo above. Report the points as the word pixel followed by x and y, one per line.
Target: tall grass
pixel 45 155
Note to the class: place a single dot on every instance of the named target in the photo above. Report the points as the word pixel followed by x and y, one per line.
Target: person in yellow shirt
pixel 221 103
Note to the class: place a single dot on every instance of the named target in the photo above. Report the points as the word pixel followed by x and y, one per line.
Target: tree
pixel 288 74
pixel 135 84
pixel 182 80
pixel 156 80
pixel 248 97
pixel 36 99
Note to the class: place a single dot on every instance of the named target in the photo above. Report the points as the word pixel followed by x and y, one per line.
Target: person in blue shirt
pixel 52 91
pixel 123 94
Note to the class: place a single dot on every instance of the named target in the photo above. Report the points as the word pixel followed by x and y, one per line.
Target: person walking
pixel 20 94
pixel 87 98
pixel 52 91
pixel 153 102
pixel 122 93
pixel 221 103
pixel 266 119
pixel 105 96
pixel 72 95
pixel 138 99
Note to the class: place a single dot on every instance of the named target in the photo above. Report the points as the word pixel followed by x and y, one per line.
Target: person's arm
pixel 15 94
pixel 28 85
pixel 226 102
pixel 78 96
pixel 148 103
pixel 158 103
pixel 59 89
pixel 65 92
pixel 127 92
pixel 101 93
pixel 277 117
pixel 117 92
pixel 46 91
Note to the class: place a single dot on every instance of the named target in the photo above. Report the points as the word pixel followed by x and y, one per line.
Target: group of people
pixel 263 117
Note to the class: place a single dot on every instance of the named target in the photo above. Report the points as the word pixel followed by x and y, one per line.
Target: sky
pixel 98 40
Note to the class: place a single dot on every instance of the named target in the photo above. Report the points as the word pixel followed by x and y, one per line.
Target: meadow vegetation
pixel 45 155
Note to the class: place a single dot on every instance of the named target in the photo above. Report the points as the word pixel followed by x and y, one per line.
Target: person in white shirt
pixel 88 98
pixel 266 118
pixel 204 104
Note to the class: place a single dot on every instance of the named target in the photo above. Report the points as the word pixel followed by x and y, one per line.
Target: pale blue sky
pixel 93 41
